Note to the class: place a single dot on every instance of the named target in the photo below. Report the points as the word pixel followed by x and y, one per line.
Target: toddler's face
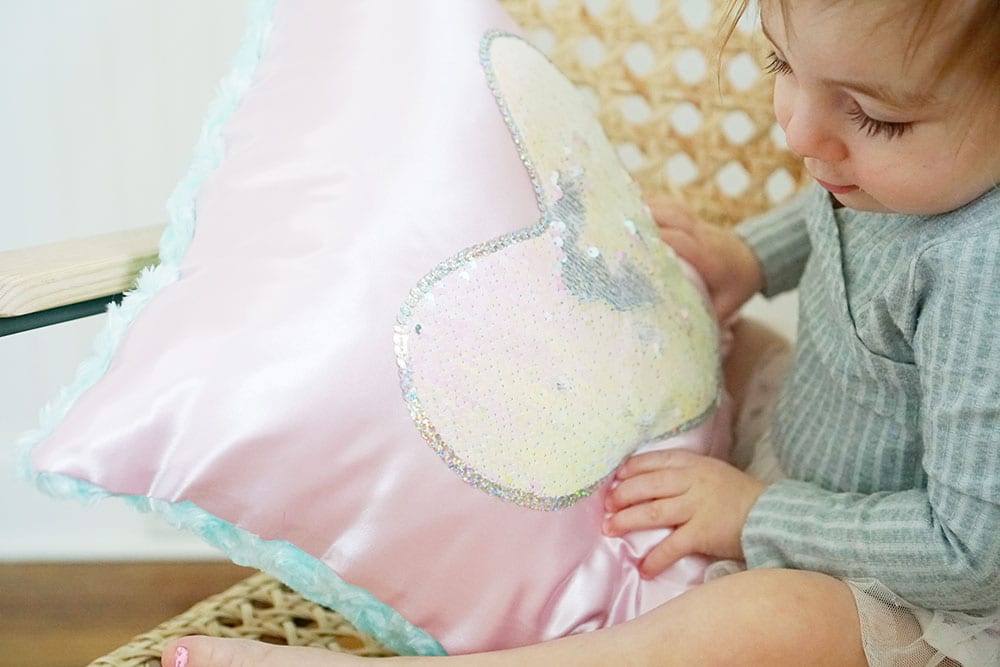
pixel 868 120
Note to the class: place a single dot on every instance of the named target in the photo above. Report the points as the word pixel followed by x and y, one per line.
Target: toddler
pixel 875 536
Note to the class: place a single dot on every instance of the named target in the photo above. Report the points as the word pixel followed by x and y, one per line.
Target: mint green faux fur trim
pixel 304 573
pixel 283 560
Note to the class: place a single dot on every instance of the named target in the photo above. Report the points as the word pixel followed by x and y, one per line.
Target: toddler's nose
pixel 809 135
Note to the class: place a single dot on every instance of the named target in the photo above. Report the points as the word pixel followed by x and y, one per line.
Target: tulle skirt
pixel 894 632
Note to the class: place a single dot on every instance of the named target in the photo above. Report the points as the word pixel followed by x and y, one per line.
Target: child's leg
pixel 760 617
pixel 766 617
pixel 755 367
pixel 753 345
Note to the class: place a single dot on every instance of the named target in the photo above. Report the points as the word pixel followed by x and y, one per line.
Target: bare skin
pixel 783 618
pixel 781 615
pixel 705 500
pixel 852 136
pixel 728 266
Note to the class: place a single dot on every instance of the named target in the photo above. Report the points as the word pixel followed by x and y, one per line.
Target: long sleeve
pixel 936 540
pixel 780 241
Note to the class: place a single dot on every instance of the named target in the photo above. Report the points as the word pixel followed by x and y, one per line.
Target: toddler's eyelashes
pixel 776 65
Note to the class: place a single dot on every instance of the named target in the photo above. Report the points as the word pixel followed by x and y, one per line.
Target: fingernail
pixel 181 657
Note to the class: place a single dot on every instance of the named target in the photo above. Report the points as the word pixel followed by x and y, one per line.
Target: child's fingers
pixel 676 219
pixel 674 547
pixel 683 243
pixel 650 461
pixel 660 513
pixel 670 212
pixel 726 304
pixel 660 483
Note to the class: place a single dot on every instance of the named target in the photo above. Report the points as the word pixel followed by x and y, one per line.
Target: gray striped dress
pixel 888 425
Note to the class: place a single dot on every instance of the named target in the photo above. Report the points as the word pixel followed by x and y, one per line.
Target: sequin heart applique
pixel 535 362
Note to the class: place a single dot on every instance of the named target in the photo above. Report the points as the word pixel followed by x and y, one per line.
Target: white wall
pixel 101 102
pixel 100 105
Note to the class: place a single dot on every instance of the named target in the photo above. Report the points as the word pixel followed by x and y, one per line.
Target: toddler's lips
pixel 837 189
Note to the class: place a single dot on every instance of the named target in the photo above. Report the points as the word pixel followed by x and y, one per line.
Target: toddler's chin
pixel 859 200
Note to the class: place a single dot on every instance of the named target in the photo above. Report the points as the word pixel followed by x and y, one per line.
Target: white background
pixel 101 102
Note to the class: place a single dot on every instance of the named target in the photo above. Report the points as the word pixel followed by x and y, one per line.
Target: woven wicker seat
pixel 650 68
pixel 259 607
pixel 685 120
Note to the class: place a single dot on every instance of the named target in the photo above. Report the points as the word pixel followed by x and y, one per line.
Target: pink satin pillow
pixel 411 314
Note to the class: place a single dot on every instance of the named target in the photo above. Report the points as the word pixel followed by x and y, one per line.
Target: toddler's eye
pixel 776 65
pixel 874 127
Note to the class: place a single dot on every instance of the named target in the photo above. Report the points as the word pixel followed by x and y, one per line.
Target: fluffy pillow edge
pixel 207 156
pixel 299 570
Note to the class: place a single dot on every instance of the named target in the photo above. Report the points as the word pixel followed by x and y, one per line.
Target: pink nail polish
pixel 181 657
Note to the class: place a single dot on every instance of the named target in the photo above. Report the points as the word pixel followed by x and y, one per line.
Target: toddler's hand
pixel 704 499
pixel 724 261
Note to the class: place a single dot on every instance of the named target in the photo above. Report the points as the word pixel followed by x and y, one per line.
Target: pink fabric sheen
pixel 258 385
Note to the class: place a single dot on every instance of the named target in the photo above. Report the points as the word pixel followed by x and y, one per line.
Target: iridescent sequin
pixel 552 352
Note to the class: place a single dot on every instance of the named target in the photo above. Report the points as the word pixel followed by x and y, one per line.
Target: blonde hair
pixel 975 48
